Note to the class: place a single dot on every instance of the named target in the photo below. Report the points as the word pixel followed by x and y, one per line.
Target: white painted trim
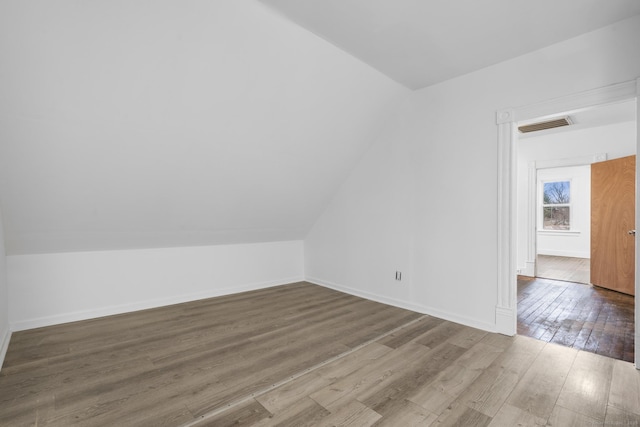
pixel 570 161
pixel 531 220
pixel 4 345
pixel 144 305
pixel 637 309
pixel 506 120
pixel 532 226
pixel 505 317
pixel 565 233
pixel 529 269
pixel 404 304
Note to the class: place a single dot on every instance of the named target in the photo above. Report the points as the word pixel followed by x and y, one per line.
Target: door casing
pixel 506 120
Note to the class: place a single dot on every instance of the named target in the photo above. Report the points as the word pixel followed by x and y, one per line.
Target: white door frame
pixel 507 119
pixel 531 217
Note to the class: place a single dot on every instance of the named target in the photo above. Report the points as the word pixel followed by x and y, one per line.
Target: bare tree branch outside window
pixel 556 205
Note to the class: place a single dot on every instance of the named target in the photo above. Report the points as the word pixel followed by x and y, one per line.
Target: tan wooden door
pixel 612 217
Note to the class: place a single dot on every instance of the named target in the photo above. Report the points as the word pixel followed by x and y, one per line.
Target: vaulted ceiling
pixel 132 124
pixel 419 43
pixel 151 123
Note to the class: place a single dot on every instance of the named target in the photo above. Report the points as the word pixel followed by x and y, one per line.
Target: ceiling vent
pixel 549 124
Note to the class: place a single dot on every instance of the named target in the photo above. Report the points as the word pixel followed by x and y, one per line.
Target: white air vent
pixel 549 124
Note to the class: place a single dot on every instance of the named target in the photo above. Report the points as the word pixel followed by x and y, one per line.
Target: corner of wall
pixel 5 331
pixel 4 345
pixel 419 308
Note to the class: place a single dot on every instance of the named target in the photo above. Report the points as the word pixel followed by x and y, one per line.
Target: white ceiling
pixel 419 43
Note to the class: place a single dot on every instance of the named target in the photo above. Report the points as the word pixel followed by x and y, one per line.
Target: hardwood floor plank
pixel 618 417
pixel 540 386
pixel 564 268
pixel 479 357
pixel 406 414
pixel 379 372
pixel 586 389
pixel 353 361
pixel 26 412
pixel 625 387
pixel 411 332
pixel 467 337
pixel 568 418
pixel 509 416
pixel 492 388
pixel 433 399
pixel 460 415
pixel 304 412
pixel 105 367
pixel 439 333
pixel 456 378
pixel 580 316
pixel 283 397
pixel 301 354
pixel 352 414
pixel 384 397
pixel 247 414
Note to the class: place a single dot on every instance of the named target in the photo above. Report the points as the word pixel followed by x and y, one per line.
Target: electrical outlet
pixel 398 275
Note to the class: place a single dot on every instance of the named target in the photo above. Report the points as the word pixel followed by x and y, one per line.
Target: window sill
pixel 575 233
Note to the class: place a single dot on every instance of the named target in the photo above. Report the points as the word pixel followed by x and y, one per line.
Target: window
pixel 556 205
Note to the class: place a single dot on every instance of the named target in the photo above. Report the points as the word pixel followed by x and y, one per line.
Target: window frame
pixel 542 206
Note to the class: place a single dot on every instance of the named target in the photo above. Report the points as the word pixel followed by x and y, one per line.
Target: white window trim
pixel 541 206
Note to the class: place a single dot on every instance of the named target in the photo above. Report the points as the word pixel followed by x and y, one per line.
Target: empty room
pixel 293 212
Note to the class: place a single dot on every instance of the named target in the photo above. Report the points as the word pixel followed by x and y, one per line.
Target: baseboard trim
pixel 144 305
pixel 506 321
pixel 529 269
pixel 4 345
pixel 431 311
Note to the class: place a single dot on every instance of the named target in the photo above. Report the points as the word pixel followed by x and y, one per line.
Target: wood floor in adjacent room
pixel 303 355
pixel 576 315
pixel 569 269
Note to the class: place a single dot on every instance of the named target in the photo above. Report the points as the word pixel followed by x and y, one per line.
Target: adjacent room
pixel 306 212
pixel 572 221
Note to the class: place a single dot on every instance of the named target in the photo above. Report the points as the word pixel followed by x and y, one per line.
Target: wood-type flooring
pixel 576 315
pixel 564 268
pixel 303 355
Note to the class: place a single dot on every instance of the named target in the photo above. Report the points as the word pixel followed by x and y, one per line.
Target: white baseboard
pixel 529 269
pixel 4 345
pixel 474 323
pixel 506 321
pixel 143 305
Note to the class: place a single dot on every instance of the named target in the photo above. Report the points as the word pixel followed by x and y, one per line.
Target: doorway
pixel 563 212
pixel 556 302
pixel 507 119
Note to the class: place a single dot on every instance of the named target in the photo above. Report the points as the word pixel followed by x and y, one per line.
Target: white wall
pixel 575 242
pixel 616 140
pixel 4 299
pixel 424 198
pixel 46 289
pixel 162 123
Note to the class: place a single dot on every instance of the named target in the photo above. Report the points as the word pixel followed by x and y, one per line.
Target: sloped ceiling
pixel 155 123
pixel 419 43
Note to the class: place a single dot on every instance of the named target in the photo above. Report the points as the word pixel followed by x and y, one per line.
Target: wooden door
pixel 612 217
